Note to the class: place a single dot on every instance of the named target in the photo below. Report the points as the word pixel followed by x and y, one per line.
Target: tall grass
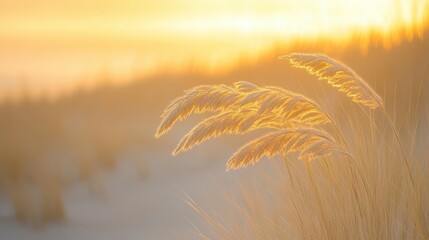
pixel 364 184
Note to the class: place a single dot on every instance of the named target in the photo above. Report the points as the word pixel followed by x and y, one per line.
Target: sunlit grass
pixel 363 185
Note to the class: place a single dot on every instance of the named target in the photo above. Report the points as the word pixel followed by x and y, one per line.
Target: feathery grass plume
pixel 310 142
pixel 243 95
pixel 200 99
pixel 338 75
pixel 236 122
pixel 291 106
pixel 260 107
pixel 205 98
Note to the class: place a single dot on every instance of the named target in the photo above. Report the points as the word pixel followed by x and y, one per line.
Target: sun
pixel 245 26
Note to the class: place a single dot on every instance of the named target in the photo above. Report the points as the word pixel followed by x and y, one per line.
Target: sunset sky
pixel 51 46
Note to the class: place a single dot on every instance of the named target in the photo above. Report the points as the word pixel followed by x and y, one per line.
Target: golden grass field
pixel 349 151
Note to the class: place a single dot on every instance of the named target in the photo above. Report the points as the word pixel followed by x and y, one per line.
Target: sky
pixel 54 46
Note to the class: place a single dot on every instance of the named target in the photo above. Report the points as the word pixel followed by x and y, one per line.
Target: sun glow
pixel 77 41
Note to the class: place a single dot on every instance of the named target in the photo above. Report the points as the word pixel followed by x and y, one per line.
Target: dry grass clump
pixel 371 193
pixel 26 176
pixel 46 147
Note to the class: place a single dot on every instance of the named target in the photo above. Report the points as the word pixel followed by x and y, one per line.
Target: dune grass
pixel 363 184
